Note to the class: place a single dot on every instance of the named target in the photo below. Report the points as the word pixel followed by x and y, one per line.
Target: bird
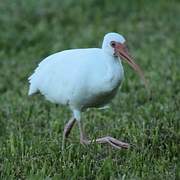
pixel 84 78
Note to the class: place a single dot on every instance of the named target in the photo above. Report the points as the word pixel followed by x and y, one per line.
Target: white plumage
pixel 77 77
pixel 81 78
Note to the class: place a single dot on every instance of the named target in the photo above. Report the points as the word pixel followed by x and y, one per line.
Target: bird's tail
pixel 32 88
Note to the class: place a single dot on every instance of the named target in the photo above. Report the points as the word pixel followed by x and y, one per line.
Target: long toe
pixel 118 143
pixel 113 142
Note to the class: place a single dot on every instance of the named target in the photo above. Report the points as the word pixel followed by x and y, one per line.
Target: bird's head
pixel 115 45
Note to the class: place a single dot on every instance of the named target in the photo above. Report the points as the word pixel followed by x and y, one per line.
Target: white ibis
pixel 84 78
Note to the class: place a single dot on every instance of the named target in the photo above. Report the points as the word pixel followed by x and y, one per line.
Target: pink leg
pixel 83 138
pixel 67 130
pixel 68 127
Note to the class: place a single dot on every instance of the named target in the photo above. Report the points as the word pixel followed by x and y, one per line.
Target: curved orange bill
pixel 122 51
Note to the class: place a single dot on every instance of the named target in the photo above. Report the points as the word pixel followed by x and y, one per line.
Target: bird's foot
pixel 107 140
pixel 113 142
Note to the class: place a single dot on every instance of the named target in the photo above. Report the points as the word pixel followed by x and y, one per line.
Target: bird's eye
pixel 113 43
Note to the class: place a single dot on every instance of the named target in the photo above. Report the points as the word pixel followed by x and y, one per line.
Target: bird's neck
pixel 114 65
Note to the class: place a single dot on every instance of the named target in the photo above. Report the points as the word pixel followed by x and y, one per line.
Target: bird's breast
pixel 113 76
pixel 105 87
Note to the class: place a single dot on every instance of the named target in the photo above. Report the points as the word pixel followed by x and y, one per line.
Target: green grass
pixel 31 128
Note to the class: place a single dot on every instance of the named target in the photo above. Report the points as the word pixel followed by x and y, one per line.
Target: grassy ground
pixel 31 128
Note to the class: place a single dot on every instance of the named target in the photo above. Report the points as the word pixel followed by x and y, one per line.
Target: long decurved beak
pixel 121 50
